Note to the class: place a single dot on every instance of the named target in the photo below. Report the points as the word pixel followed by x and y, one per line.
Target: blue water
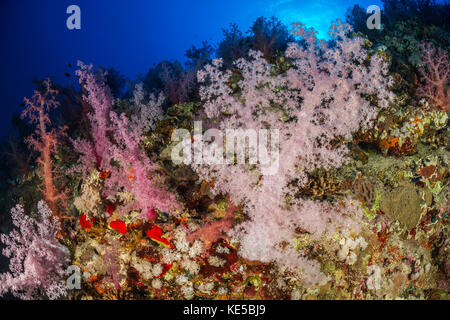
pixel 128 35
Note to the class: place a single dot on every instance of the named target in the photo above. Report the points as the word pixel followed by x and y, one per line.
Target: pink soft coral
pixel 116 147
pixel 136 173
pixel 98 95
pixel 212 231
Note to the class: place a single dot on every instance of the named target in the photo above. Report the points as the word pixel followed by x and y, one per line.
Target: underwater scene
pixel 211 150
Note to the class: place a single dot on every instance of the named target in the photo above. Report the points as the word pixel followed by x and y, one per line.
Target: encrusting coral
pixel 133 170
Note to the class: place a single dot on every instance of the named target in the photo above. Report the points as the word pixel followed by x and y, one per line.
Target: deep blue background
pixel 128 35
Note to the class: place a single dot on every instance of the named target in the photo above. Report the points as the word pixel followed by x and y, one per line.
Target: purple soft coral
pixel 37 259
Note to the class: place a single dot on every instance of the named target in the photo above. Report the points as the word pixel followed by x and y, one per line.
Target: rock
pixel 360 155
pixel 403 204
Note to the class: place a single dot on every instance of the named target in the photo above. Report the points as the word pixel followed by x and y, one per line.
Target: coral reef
pixel 350 201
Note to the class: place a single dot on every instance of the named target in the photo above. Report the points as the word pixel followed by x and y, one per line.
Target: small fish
pixel 155 234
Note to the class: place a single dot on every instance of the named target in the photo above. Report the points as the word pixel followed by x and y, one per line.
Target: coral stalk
pixel 45 141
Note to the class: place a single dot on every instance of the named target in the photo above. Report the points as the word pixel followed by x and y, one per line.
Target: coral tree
pixel 45 141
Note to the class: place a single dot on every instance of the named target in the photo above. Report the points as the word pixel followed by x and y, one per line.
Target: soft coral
pixel 45 140
pixel 99 97
pixel 435 75
pixel 116 147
